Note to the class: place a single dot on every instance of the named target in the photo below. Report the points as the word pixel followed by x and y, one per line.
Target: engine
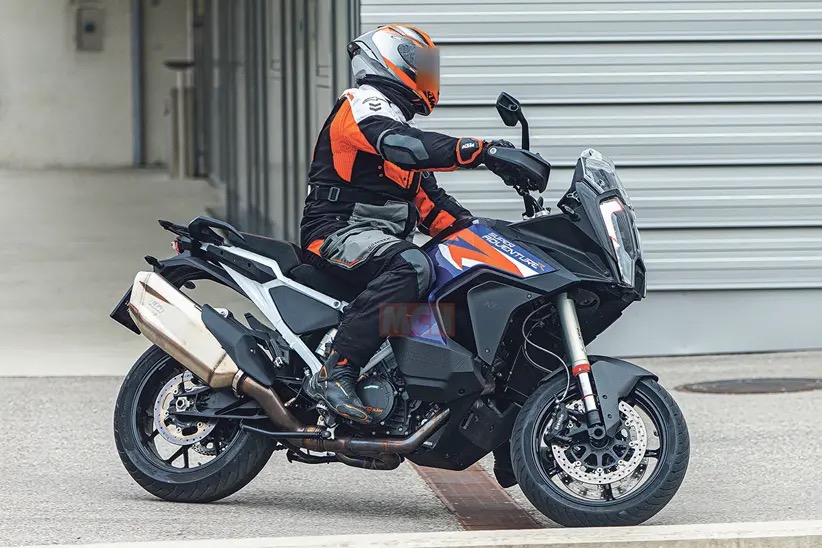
pixel 382 390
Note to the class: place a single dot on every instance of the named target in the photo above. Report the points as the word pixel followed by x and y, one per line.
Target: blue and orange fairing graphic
pixel 480 246
pixel 477 246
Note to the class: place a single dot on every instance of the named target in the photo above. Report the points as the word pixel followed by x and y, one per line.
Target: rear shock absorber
pixel 580 367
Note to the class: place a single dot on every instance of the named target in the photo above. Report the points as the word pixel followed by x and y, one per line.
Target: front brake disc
pixel 614 462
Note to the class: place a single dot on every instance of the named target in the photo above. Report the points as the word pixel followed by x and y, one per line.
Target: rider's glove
pixel 488 159
pixel 499 143
pixel 471 152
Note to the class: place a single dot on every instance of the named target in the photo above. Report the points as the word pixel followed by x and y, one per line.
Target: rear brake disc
pixel 170 428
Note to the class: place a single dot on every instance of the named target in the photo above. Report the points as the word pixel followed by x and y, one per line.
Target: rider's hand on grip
pixel 500 143
pixel 496 167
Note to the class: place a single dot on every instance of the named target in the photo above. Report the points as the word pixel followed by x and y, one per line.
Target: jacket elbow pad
pixel 403 150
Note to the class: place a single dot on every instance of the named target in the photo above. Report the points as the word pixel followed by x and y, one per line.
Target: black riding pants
pixel 395 274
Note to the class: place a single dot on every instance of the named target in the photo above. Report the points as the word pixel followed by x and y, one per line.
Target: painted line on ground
pixel 782 534
pixel 476 499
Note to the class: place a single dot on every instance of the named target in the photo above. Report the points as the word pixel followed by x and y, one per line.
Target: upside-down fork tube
pixel 580 367
pixel 172 321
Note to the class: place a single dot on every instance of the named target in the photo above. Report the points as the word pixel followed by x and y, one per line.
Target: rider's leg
pixel 401 273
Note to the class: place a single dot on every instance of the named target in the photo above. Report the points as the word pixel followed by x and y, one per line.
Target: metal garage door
pixel 712 110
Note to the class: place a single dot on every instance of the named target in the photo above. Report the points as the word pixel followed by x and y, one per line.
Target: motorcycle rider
pixel 371 184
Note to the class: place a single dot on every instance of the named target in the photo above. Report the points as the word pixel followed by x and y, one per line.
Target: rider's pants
pixel 386 270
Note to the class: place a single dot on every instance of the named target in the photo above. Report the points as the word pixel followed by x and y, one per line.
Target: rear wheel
pixel 624 481
pixel 179 461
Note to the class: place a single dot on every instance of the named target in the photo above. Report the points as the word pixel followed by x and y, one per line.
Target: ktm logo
pixel 469 144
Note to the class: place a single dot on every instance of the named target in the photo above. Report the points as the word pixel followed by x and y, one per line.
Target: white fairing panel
pixel 260 295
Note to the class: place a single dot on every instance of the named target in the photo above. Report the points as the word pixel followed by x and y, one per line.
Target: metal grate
pixel 776 385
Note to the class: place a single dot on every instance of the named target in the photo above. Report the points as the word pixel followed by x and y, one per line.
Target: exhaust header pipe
pixel 172 321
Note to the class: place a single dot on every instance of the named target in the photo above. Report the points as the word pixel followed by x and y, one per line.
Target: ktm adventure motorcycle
pixel 594 440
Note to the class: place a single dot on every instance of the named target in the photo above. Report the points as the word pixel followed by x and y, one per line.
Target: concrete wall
pixel 164 35
pixel 60 106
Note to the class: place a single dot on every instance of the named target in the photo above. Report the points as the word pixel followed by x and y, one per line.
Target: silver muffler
pixel 174 322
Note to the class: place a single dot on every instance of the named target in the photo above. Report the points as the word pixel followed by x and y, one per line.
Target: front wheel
pixel 624 481
pixel 195 461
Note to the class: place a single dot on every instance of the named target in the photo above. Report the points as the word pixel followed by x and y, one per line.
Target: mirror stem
pixel 526 136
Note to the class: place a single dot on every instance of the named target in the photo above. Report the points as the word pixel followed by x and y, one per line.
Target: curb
pixel 781 534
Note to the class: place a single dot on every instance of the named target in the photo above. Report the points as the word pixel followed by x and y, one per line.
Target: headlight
pixel 620 227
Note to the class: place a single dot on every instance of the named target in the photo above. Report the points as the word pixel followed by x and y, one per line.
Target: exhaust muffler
pixel 172 321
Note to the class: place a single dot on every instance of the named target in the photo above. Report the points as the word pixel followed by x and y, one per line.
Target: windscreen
pixel 600 173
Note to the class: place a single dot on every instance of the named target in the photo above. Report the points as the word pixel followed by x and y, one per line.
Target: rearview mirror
pixel 509 109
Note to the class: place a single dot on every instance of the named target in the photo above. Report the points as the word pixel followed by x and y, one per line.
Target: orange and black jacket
pixel 369 153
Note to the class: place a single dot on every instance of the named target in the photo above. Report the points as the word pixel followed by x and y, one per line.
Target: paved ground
pixel 72 243
pixel 63 482
pixel 754 458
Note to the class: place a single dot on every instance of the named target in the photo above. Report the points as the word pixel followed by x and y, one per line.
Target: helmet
pixel 401 57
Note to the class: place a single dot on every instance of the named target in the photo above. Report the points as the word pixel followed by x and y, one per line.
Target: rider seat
pixel 287 256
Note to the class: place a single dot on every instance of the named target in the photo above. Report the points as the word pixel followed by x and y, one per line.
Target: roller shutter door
pixel 712 112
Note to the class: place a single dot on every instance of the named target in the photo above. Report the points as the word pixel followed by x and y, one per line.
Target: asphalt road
pixel 753 458
pixel 62 481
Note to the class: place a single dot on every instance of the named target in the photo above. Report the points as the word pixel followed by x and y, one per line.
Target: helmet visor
pixel 428 69
pixel 425 62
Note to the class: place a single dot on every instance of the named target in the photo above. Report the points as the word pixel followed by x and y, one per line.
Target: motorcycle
pixel 496 361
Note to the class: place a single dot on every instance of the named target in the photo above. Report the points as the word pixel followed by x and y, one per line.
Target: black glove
pixel 499 143
pixel 489 160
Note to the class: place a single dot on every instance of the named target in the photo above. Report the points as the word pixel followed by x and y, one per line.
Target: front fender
pixel 614 379
pixel 177 271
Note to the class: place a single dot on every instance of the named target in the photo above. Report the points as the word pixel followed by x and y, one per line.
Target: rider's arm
pixel 438 210
pixel 372 125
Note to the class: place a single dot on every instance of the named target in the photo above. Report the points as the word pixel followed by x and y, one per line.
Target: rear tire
pixel 632 509
pixel 241 460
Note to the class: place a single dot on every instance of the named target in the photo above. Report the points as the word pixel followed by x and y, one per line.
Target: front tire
pixel 237 455
pixel 551 494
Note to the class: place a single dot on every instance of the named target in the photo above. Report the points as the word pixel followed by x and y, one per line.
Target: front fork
pixel 580 368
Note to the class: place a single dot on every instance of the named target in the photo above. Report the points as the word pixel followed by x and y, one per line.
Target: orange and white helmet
pixel 403 57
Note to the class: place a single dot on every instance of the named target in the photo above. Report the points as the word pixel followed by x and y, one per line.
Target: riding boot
pixel 336 385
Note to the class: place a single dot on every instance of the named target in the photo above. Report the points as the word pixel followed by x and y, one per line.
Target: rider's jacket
pixel 372 166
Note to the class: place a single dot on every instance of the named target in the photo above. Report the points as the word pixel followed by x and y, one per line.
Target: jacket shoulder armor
pixel 367 101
